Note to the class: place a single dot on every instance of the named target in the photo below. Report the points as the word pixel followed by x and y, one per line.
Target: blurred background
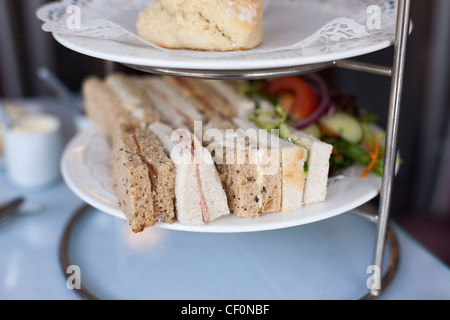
pixel 421 201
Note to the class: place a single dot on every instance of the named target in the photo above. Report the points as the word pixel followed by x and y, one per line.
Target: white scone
pixel 210 25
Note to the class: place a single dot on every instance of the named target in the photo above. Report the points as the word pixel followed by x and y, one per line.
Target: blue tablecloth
pixel 324 260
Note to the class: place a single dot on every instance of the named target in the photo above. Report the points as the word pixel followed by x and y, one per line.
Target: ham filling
pixel 190 145
pixel 151 172
pixel 187 120
pixel 198 96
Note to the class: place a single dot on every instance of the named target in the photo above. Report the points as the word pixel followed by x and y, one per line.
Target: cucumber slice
pixel 312 130
pixel 285 133
pixel 345 125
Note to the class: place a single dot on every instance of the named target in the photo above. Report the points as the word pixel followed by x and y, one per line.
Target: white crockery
pixel 85 167
pixel 33 149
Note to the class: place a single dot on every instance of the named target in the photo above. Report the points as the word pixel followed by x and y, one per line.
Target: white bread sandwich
pixel 115 99
pixel 212 25
pixel 252 183
pixel 203 96
pixel 225 88
pixel 199 195
pixel 144 177
pixel 178 111
pixel 318 166
pixel 293 159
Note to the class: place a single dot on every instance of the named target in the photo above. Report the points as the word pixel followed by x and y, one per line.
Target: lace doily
pixel 340 25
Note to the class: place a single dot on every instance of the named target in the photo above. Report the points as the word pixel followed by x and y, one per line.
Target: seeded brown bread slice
pixel 271 194
pixel 255 173
pixel 144 177
pixel 293 158
pixel 239 180
pixel 116 99
pixel 269 179
pixel 102 105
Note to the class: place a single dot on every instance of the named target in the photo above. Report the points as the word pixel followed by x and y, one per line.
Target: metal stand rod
pixel 364 67
pixel 269 73
pixel 390 159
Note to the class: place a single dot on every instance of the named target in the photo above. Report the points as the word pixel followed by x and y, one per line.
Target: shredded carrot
pixel 336 154
pixel 325 131
pixel 374 152
pixel 368 144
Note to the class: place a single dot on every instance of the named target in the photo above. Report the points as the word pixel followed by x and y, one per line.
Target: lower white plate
pixel 85 167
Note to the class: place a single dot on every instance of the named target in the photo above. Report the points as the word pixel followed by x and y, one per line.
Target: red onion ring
pixel 324 104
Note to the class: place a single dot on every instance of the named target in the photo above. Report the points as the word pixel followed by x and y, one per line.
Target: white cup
pixel 82 123
pixel 33 148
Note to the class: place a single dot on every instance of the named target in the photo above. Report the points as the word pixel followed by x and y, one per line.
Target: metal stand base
pixel 392 266
pixel 64 243
pixel 86 294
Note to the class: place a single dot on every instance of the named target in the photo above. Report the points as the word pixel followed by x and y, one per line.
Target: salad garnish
pixel 307 103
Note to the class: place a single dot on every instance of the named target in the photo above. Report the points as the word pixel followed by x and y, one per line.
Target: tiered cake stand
pixel 381 215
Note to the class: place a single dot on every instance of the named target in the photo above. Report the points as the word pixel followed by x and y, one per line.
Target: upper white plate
pixel 295 33
pixel 86 169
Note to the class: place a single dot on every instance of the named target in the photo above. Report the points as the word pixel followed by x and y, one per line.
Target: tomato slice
pixel 295 96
